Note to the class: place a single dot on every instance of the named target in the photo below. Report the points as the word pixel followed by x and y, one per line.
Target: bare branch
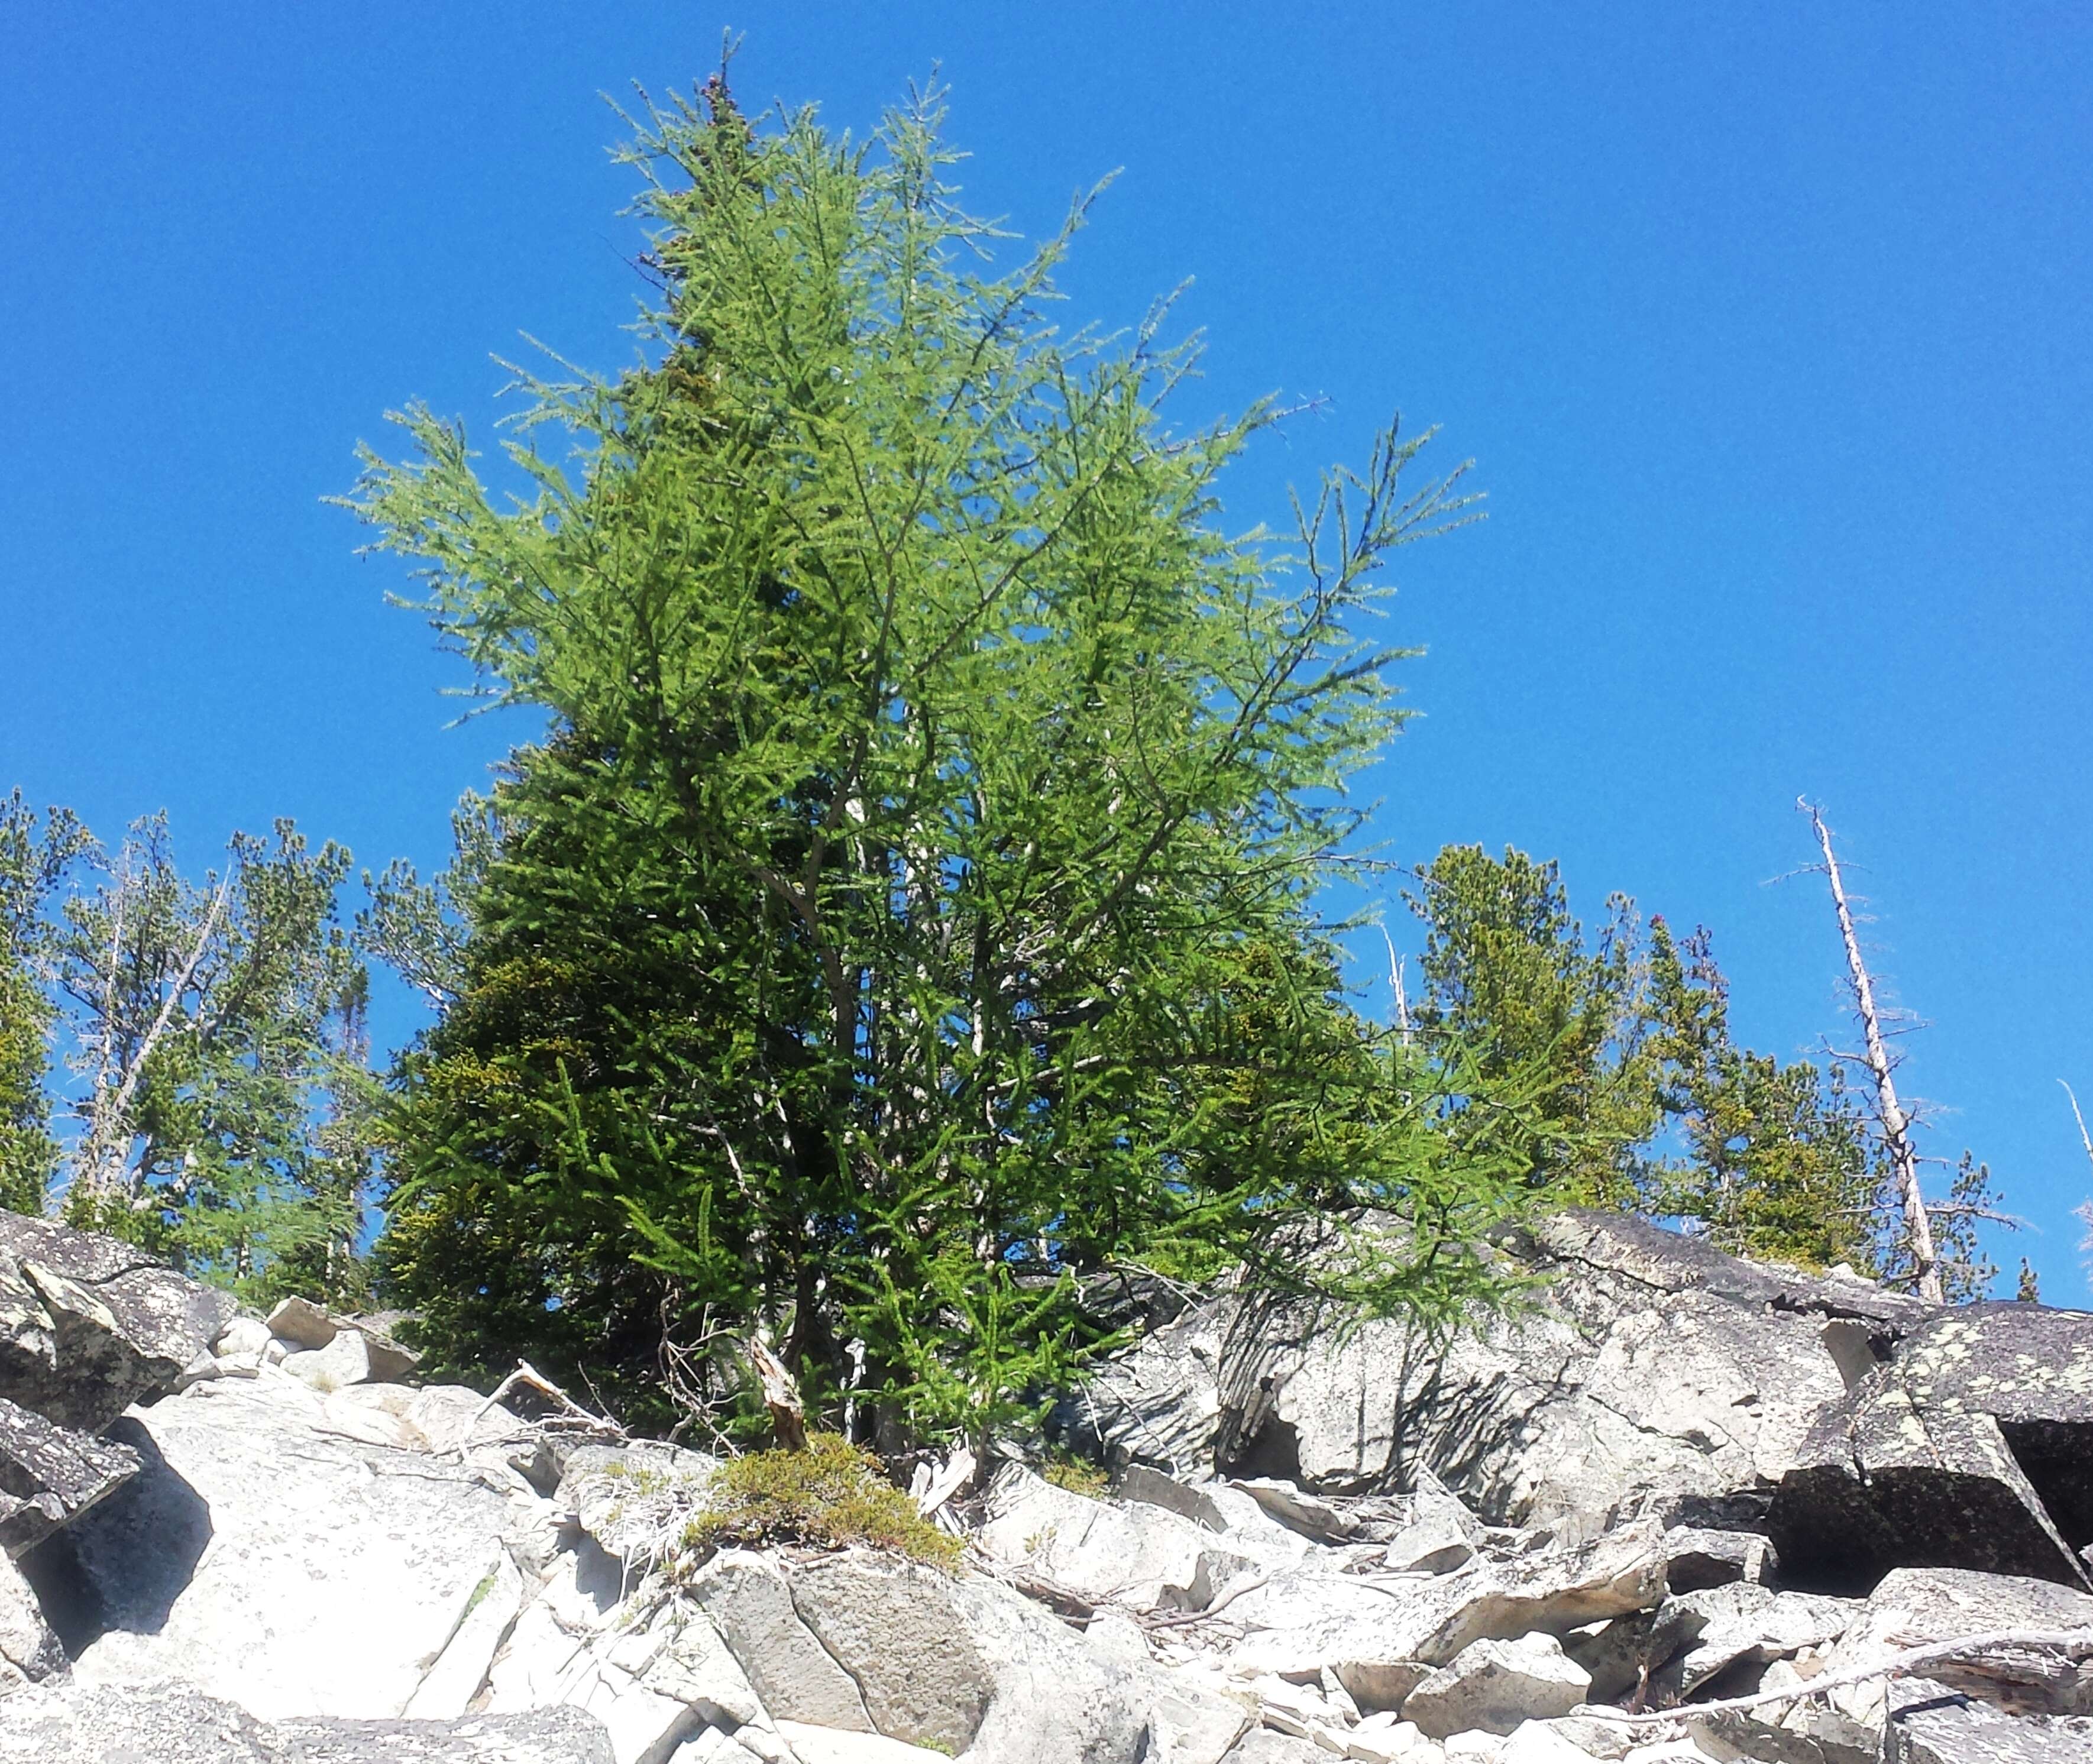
pixel 528 1376
pixel 110 1111
pixel 1396 987
pixel 2085 1138
pixel 2075 1644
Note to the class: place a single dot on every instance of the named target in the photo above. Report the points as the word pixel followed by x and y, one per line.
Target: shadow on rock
pixel 123 1565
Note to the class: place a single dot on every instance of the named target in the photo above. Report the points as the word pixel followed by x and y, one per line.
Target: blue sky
pixel 1768 329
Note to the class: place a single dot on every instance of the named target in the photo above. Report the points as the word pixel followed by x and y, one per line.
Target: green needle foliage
pixel 1507 972
pixel 1778 1162
pixel 226 1111
pixel 34 859
pixel 911 906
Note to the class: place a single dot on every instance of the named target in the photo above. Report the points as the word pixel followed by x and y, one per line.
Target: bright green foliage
pixel 830 1495
pixel 33 859
pixel 226 1111
pixel 1078 1476
pixel 912 905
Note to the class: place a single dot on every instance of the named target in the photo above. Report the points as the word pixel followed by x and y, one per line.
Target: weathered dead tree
pixel 781 1396
pixel 2084 1210
pixel 1896 1124
pixel 567 1415
pixel 99 1163
pixel 1399 993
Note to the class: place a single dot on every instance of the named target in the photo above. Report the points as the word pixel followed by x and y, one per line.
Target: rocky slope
pixel 1674 1480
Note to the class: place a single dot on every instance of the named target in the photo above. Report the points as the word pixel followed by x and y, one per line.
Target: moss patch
pixel 829 1495
pixel 1078 1476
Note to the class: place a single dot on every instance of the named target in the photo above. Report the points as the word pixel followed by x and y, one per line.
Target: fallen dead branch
pixel 527 1377
pixel 938 1488
pixel 1065 1601
pixel 2075 1644
pixel 1182 1619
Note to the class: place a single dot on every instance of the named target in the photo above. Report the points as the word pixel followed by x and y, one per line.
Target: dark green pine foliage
pixel 1778 1161
pixel 1508 973
pixel 1624 1040
pixel 913 904
pixel 35 854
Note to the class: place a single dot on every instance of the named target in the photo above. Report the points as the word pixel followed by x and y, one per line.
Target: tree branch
pixel 2076 1644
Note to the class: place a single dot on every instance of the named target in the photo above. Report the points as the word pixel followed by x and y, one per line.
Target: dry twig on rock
pixel 2074 1643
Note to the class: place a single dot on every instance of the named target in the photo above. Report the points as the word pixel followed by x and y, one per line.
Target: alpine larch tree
pixel 913 903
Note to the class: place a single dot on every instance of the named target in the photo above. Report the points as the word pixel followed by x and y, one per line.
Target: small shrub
pixel 1078 1476
pixel 829 1495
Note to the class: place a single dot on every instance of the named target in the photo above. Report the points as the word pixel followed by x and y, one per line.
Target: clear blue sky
pixel 1768 328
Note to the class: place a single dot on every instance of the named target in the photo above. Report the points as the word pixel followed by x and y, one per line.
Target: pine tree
pixel 1507 971
pixel 914 904
pixel 1624 1039
pixel 34 859
pixel 1778 1159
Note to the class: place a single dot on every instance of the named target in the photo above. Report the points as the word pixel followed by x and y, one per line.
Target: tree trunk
pixel 1896 1124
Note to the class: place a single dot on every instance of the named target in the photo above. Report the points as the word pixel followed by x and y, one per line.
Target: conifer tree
pixel 1507 970
pixel 1777 1159
pixel 224 1103
pixel 913 904
pixel 34 861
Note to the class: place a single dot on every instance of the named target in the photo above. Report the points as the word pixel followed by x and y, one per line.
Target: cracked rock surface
pixel 1347 1545
pixel 90 1326
pixel 1653 1374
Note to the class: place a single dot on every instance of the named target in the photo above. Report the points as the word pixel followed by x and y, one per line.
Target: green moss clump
pixel 1078 1476
pixel 829 1495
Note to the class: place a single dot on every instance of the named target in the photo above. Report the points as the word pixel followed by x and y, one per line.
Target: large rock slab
pixel 1136 1554
pixel 1973 1448
pixel 833 1745
pixel 176 1723
pixel 1915 1605
pixel 272 1563
pixel 895 1628
pixel 1653 1373
pixel 568 1623
pixel 1301 1624
pixel 749 1601
pixel 1493 1686
pixel 1929 1723
pixel 90 1326
pixel 1710 1631
pixel 50 1475
pixel 1056 1699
